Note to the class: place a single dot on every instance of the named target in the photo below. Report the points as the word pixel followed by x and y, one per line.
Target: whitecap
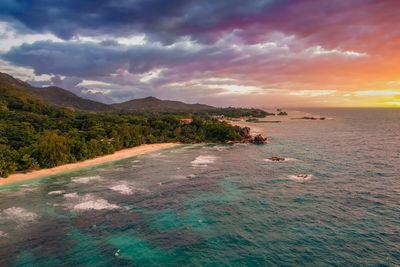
pixel 203 160
pixel 291 159
pixel 301 177
pixel 71 195
pixel 85 180
pixel 88 202
pixel 28 189
pixel 123 189
pixel 20 215
pixel 57 192
pixel 221 148
pixel 95 204
pixel 136 165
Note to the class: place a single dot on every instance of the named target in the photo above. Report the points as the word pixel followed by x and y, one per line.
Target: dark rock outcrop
pixel 245 132
pixel 276 159
pixel 259 139
pixel 248 138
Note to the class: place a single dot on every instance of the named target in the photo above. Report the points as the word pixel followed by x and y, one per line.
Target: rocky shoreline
pixel 249 139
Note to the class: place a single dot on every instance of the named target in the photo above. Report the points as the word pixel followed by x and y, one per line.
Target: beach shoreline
pixel 118 155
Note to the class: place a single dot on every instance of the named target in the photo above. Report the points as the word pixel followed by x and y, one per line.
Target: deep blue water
pixel 236 209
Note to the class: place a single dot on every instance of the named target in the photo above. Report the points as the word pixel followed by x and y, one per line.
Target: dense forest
pixel 35 135
pixel 204 114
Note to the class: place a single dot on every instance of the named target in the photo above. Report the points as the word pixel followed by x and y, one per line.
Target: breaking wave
pixel 88 202
pixel 20 215
pixel 123 189
pixel 301 177
pixel 85 180
pixel 203 160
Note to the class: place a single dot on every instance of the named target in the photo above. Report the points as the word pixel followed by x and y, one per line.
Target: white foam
pixel 20 215
pixel 88 202
pixel 123 189
pixel 291 159
pixel 203 160
pixel 95 204
pixel 71 195
pixel 221 148
pixel 297 178
pixel 28 189
pixel 85 180
pixel 57 192
pixel 2 234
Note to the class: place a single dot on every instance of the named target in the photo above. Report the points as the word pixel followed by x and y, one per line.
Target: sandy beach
pixel 118 155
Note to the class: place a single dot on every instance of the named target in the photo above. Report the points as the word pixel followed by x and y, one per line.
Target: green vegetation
pixel 36 135
pixel 148 106
pixel 238 112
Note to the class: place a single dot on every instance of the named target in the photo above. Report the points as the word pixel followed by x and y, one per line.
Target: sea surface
pixel 223 205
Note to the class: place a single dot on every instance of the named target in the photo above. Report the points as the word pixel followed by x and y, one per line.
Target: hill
pixel 154 104
pixel 34 134
pixel 55 95
pixel 62 98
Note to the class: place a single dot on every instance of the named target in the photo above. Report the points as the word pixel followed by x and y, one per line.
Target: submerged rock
pixel 258 139
pixel 276 159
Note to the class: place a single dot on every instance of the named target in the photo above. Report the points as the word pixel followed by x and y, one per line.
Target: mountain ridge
pixel 152 103
pixel 56 96
pixel 60 97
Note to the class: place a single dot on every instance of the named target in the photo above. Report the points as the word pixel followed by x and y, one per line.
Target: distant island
pixel 37 132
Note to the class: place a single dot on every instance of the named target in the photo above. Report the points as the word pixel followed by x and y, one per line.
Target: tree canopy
pixel 36 135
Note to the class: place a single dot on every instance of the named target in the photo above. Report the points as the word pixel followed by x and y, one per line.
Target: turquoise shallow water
pixel 236 209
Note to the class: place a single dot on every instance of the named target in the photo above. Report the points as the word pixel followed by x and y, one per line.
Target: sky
pixel 256 53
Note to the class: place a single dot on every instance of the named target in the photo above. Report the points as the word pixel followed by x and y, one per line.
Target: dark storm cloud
pixel 93 60
pixel 203 48
pixel 159 19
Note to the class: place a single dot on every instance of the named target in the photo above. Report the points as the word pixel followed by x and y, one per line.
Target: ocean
pixel 223 205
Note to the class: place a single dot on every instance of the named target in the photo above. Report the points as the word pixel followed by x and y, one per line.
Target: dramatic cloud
pixel 162 20
pixel 291 52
